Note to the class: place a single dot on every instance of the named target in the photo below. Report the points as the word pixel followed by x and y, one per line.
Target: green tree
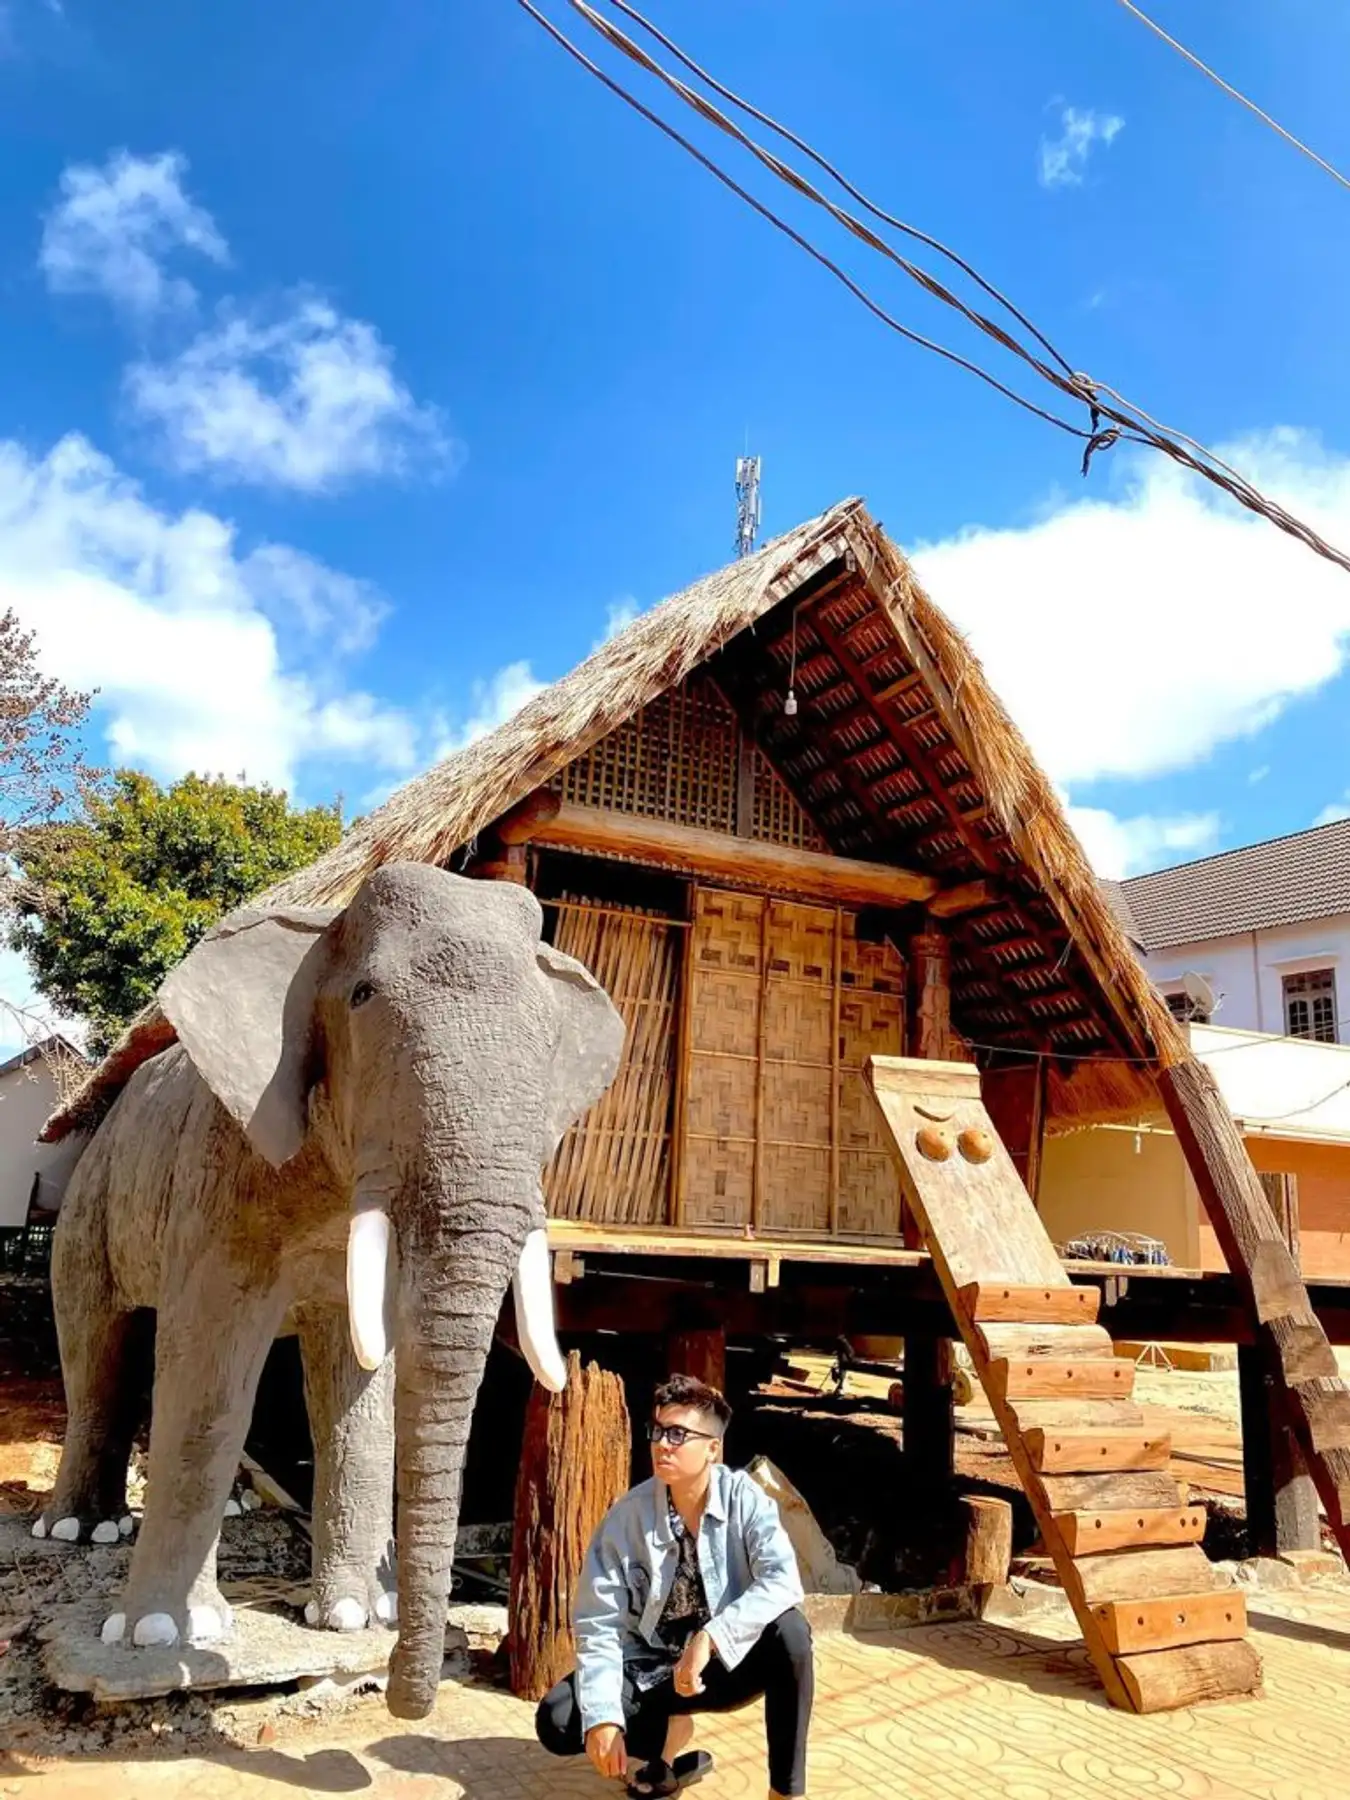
pixel 106 904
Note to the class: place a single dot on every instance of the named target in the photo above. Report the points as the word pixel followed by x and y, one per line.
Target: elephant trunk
pixel 451 1285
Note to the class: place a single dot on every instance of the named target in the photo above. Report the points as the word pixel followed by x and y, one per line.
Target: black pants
pixel 779 1667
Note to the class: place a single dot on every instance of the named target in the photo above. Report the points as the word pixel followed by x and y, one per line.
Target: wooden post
pixel 700 1351
pixel 1281 1191
pixel 988 1546
pixel 576 1460
pixel 930 1420
pixel 1306 1395
pixel 930 966
pixel 1014 1098
pixel 1281 1497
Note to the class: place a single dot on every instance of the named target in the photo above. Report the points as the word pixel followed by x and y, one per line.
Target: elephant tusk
pixel 367 1260
pixel 532 1287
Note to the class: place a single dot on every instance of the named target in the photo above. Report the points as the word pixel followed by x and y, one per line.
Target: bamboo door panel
pixel 786 1005
pixel 614 1165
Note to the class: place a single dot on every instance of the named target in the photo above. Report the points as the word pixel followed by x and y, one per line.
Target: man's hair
pixel 687 1390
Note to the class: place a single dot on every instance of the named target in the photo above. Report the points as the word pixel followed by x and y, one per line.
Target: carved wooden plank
pixel 1083 1452
pixel 1162 1680
pixel 1130 1528
pixel 1065 1342
pixel 1048 1378
pixel 997 1302
pixel 1103 1491
pixel 1172 1623
pixel 1144 1574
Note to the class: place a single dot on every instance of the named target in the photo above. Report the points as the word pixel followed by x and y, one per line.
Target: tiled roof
pixel 1113 892
pixel 1303 876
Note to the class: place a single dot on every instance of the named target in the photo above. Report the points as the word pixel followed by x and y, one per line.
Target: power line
pixel 1229 89
pixel 1128 423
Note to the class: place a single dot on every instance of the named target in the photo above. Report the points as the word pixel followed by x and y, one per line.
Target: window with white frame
pixel 1182 1007
pixel 1310 1005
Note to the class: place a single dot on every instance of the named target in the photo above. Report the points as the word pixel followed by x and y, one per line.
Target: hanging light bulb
pixel 790 704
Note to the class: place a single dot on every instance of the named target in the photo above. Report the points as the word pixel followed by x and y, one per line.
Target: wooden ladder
pixel 1161 1630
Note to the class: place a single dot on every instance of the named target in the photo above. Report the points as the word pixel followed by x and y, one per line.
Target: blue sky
pixel 360 365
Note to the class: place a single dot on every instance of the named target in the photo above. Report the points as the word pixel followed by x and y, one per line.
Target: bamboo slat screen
pixel 614 1166
pixel 785 1007
pixel 677 759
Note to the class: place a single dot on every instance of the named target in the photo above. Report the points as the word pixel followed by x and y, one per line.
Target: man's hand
pixel 689 1669
pixel 607 1750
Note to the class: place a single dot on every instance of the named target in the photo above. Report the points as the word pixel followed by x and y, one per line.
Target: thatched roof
pixel 900 752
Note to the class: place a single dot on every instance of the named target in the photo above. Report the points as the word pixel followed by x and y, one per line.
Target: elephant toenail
pixel 155 1628
pixel 232 1508
pixel 346 1615
pixel 114 1628
pixel 105 1532
pixel 311 1612
pixel 206 1625
pixel 126 1525
pixel 386 1609
pixel 68 1530
pixel 39 1528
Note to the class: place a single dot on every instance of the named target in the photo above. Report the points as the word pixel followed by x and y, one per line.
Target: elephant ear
pixel 590 1044
pixel 242 1003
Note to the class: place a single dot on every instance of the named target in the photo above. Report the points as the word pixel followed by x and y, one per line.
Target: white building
pixel 1267 928
pixel 31 1174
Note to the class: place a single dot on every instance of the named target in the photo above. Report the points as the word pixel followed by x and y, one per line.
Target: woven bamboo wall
pixel 614 1167
pixel 678 759
pixel 785 1007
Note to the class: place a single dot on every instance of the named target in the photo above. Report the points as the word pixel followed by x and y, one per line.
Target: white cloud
pixel 619 617
pixel 186 637
pixel 1338 809
pixel 1258 775
pixel 1120 847
pixel 308 400
pixel 492 702
pixel 113 228
pixel 1063 160
pixel 25 1017
pixel 1131 636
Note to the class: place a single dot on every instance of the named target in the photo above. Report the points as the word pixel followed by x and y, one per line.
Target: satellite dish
pixel 1203 1000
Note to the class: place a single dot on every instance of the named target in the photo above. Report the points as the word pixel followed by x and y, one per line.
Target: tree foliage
pixel 42 769
pixel 106 904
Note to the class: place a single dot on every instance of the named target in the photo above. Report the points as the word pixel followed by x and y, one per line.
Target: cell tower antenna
pixel 747 504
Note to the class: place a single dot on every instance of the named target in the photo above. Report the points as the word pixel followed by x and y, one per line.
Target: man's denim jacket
pixel 749 1577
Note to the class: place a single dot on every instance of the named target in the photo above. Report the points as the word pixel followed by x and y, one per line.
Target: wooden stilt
pixel 575 1462
pixel 1281 1497
pixel 700 1352
pixel 930 1421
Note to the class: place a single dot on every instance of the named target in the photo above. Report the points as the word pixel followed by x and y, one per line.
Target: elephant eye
pixel 362 992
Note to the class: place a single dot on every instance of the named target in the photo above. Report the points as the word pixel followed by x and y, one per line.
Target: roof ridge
pixel 1196 862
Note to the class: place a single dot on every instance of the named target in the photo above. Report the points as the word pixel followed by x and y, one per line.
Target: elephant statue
pixel 349 1133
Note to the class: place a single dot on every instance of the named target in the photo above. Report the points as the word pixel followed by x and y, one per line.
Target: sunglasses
pixel 677 1436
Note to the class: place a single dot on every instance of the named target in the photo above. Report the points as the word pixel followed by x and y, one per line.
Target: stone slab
pixel 270 1645
pixel 861 1614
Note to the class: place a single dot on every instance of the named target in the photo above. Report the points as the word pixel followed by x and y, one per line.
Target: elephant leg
pixel 211 1343
pixel 94 1330
pixel 351 1417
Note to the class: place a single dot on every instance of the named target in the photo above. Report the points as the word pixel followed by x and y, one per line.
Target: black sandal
pixel 657 1779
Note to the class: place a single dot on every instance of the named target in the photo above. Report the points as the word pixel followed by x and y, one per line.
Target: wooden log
pixel 929 1431
pixel 1140 1528
pixel 1163 1680
pixel 988 1544
pixel 1084 1452
pixel 969 896
pixel 1048 1378
pixel 1281 1192
pixel 720 856
pixel 1281 1499
pixel 1099 1492
pixel 700 1351
pixel 1078 1415
pixel 1067 1343
pixel 575 1462
pixel 995 1302
pixel 1172 1623
pixel 1144 1574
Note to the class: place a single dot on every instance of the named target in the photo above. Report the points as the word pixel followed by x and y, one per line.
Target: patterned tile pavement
pixel 949 1712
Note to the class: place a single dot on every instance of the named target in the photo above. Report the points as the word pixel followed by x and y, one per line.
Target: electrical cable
pixel 1228 88
pixel 1129 424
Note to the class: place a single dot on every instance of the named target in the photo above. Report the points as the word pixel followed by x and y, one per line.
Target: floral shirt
pixel 686 1607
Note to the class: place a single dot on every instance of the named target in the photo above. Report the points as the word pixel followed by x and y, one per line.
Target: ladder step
pixel 1168 1624
pixel 1048 1377
pixel 1115 1490
pixel 1144 1574
pixel 993 1301
pixel 1077 1415
pixel 1163 1680
pixel 1066 1342
pixel 1086 1452
pixel 1130 1528
pixel 1327 1410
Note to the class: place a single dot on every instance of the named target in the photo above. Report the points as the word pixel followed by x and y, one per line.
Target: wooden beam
pixel 1082 1452
pixel 746 862
pixel 1044 1377
pixel 1305 1390
pixel 967 896
pixel 994 1302
pixel 1130 1528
